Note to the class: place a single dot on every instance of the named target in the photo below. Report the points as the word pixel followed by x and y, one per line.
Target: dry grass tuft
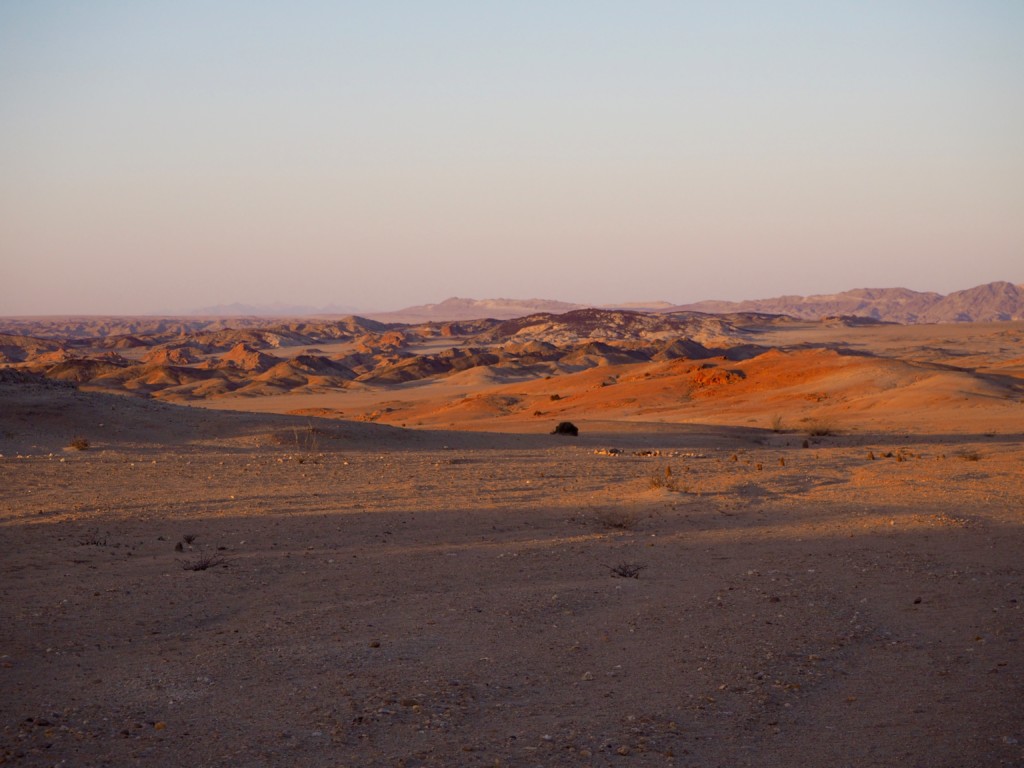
pixel 668 482
pixel 204 562
pixel 617 519
pixel 820 429
pixel 626 570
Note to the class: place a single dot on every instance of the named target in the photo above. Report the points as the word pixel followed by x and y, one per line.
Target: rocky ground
pixel 213 589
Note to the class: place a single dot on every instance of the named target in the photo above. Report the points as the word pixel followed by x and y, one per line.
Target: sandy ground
pixel 386 597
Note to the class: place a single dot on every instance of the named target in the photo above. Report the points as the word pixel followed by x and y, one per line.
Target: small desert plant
pixel 657 481
pixel 776 425
pixel 93 541
pixel 556 397
pixel 79 444
pixel 667 482
pixel 626 570
pixel 566 428
pixel 968 455
pixel 204 562
pixel 820 429
pixel 188 538
pixel 306 440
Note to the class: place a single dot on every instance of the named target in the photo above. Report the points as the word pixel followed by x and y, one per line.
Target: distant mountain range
pixel 984 303
pixel 277 309
pixel 474 309
pixel 990 302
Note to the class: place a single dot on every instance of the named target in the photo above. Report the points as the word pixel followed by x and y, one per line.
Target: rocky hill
pixel 204 360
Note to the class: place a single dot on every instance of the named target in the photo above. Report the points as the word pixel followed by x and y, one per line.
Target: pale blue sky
pixel 170 155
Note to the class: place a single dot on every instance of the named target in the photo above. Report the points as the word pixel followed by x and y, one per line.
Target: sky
pixel 165 156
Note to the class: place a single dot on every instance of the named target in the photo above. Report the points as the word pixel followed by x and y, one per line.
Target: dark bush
pixel 566 428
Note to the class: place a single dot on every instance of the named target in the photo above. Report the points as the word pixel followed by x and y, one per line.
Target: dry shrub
pixel 204 562
pixel 617 519
pixel 668 483
pixel 820 429
pixel 626 570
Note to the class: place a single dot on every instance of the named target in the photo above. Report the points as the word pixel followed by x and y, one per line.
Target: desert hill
pixel 44 415
pixel 16 348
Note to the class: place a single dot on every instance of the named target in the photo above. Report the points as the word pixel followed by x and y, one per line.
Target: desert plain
pixel 772 543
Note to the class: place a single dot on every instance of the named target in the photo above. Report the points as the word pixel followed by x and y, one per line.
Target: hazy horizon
pixel 166 157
